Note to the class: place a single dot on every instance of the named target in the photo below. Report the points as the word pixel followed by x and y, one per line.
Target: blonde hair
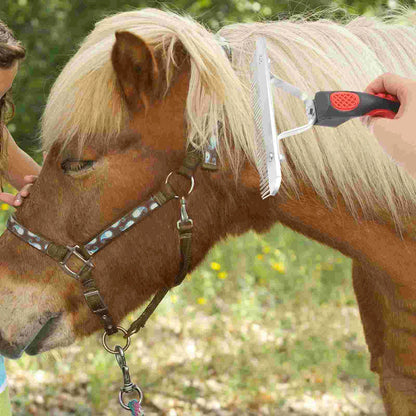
pixel 85 101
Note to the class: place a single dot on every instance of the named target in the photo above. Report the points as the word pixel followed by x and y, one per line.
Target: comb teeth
pixel 267 148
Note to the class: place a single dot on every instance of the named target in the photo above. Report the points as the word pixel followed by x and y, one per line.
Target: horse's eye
pixel 75 165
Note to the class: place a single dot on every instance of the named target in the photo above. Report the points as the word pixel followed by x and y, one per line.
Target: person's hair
pixel 11 51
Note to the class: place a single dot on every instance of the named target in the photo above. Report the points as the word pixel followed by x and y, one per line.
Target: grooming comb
pixel 328 108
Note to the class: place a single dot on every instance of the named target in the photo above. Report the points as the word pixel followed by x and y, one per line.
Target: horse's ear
pixel 136 69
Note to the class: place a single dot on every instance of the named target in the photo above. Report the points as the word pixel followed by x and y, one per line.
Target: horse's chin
pixel 54 334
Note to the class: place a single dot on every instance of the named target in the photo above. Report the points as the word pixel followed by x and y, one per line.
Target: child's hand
pixel 17 199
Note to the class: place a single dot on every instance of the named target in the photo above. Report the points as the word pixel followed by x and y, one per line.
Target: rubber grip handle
pixel 336 107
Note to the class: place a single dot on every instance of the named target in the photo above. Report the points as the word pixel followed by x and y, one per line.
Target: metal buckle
pixel 73 251
pixel 98 300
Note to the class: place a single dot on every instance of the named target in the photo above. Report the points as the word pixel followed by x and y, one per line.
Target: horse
pixel 143 89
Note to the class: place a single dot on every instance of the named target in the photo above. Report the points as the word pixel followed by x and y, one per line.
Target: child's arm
pixel 22 171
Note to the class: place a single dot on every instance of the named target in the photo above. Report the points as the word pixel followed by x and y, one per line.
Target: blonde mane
pixel 85 101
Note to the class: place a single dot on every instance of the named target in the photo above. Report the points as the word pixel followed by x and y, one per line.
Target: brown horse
pixel 118 120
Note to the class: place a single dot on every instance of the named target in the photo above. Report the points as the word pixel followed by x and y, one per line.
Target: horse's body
pixel 130 102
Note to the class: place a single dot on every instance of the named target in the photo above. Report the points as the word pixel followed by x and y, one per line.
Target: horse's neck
pixel 369 242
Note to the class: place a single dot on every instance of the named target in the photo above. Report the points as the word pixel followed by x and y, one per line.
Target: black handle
pixel 336 107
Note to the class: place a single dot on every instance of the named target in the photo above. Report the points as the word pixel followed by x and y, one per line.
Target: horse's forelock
pixel 86 99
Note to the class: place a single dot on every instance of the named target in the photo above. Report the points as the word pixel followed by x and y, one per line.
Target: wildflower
pixel 327 266
pixel 280 267
pixel 259 257
pixel 4 207
pixel 202 301
pixel 188 276
pixel 215 266
pixel 316 274
pixel 222 275
pixel 266 249
pixel 173 298
pixel 277 252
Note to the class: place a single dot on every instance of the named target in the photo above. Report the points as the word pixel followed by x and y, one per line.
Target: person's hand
pixel 17 199
pixel 396 136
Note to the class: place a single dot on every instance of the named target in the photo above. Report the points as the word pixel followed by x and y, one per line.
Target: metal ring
pixel 191 179
pixel 120 397
pixel 107 348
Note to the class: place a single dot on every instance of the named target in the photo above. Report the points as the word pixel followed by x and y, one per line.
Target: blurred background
pixel 276 332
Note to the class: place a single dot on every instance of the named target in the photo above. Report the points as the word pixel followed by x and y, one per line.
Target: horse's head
pixel 117 122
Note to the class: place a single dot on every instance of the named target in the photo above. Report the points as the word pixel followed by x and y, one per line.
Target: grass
pixel 267 325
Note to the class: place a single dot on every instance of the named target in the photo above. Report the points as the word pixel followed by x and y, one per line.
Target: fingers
pixel 16 200
pixel 25 190
pixel 395 85
pixel 390 83
pixel 7 198
pixel 30 178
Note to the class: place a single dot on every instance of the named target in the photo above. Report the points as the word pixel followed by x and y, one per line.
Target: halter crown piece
pixel 83 254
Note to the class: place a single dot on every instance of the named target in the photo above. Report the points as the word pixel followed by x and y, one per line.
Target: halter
pixel 85 252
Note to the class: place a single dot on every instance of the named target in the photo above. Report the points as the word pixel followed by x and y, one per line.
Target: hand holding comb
pixel 328 108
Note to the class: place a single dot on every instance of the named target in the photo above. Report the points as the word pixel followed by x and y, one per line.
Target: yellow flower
pixel 215 266
pixel 327 266
pixel 202 301
pixel 259 257
pixel 222 275
pixel 280 267
pixel 266 249
pixel 173 298
pixel 188 276
pixel 316 274
pixel 4 207
pixel 277 252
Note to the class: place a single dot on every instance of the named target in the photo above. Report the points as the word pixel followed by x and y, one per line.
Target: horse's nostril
pixel 47 330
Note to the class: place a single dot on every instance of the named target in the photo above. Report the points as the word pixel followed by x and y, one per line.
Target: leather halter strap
pixel 62 254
